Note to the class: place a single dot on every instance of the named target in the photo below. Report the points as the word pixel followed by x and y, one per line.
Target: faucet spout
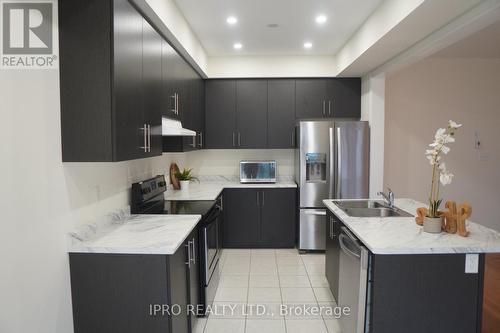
pixel 388 197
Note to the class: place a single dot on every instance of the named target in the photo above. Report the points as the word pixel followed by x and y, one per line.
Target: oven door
pixel 211 245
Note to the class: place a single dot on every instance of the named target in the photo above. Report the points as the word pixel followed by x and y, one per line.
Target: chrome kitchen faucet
pixel 389 197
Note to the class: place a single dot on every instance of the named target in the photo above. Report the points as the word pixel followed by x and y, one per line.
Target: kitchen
pixel 245 101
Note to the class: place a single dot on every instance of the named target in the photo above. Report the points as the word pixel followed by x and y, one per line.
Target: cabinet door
pixel 333 104
pixel 179 287
pixel 184 91
pixel 278 208
pixel 350 93
pixel 128 115
pixel 332 254
pixel 194 274
pixel 251 113
pixel 220 113
pixel 281 114
pixel 169 63
pixel 310 98
pixel 241 217
pixel 152 85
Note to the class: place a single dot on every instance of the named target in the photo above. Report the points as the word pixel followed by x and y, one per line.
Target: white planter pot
pixel 184 185
pixel 433 224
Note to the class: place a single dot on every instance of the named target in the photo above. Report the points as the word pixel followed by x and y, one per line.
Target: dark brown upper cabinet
pixel 183 100
pixel 220 114
pixel 281 114
pixel 328 98
pixel 251 113
pixel 110 78
pixel 260 113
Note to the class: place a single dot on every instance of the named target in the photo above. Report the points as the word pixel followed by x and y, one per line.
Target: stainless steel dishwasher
pixel 353 279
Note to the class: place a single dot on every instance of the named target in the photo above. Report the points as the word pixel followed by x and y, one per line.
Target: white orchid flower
pixel 453 124
pixel 446 178
pixel 449 139
pixel 445 149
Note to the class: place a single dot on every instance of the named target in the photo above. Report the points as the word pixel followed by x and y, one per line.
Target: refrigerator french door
pixel 331 161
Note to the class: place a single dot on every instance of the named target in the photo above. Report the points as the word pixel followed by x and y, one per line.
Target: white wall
pixel 173 18
pixel 422 98
pixel 42 198
pixel 271 66
pixel 373 111
pixel 226 161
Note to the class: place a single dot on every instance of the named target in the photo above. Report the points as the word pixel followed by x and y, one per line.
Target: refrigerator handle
pixel 332 164
pixel 338 187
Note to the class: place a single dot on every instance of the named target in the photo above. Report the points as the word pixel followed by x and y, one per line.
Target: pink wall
pixel 423 97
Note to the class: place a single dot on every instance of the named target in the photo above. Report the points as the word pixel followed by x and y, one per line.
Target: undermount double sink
pixel 370 208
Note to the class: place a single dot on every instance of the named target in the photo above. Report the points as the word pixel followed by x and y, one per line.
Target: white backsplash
pixel 215 162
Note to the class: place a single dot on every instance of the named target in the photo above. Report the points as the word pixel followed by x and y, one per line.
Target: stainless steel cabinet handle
pixel 233 140
pixel 293 138
pixel 149 138
pixel 174 110
pixel 176 103
pixel 193 252
pixel 258 201
pixel 329 108
pixel 263 198
pixel 188 262
pixel 193 143
pixel 144 130
pixel 331 228
pixel 239 139
pixel 324 108
pixel 201 140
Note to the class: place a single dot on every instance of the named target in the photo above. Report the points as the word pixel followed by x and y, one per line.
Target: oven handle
pixel 214 214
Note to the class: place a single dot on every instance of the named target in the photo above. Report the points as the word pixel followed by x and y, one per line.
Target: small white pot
pixel 184 185
pixel 433 224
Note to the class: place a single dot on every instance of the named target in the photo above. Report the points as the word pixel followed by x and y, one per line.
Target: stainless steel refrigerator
pixel 331 161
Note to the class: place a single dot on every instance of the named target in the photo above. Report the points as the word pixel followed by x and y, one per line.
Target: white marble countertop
pixel 211 188
pixel 401 235
pixel 134 234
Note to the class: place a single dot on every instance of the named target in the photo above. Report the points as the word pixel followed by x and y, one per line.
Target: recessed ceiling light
pixel 308 45
pixel 237 46
pixel 272 25
pixel 320 19
pixel 231 20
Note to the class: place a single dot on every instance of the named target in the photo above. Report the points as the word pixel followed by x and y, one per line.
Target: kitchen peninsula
pixel 402 279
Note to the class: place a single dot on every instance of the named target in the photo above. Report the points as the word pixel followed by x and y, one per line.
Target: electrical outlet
pixel 471 263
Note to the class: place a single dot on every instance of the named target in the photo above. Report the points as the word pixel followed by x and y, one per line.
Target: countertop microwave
pixel 258 171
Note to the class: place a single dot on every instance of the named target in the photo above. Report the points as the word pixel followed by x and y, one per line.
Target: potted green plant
pixel 440 174
pixel 185 176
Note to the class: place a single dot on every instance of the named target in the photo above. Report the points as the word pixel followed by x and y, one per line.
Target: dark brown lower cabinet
pixel 119 292
pixel 256 217
pixel 425 293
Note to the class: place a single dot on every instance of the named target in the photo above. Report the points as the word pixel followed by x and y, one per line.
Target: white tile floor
pixel 264 279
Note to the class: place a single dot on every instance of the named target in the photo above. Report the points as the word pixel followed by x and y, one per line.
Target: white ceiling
pixel 483 44
pixel 295 19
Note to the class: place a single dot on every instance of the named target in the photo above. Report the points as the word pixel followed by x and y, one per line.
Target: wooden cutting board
pixel 174 170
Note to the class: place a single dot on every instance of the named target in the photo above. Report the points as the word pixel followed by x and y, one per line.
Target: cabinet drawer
pixel 312 229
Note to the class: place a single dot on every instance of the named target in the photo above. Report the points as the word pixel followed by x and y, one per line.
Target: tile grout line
pixel 316 298
pixel 248 292
pixel 279 285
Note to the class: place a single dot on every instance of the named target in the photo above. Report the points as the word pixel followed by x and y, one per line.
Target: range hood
pixel 172 127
